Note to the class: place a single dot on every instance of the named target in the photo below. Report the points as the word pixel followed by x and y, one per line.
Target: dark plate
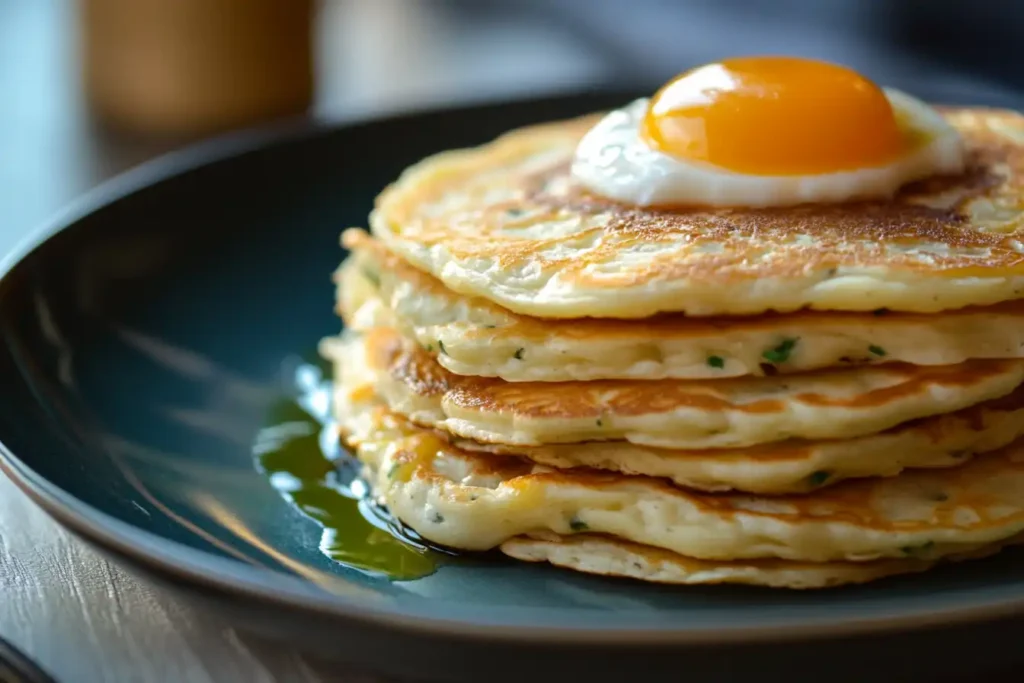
pixel 151 333
pixel 16 667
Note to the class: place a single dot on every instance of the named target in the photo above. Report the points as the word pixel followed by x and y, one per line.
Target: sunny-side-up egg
pixel 766 131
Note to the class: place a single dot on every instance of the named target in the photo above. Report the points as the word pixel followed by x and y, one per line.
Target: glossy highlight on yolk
pixel 774 116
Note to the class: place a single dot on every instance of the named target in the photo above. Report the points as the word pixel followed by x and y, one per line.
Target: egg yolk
pixel 774 116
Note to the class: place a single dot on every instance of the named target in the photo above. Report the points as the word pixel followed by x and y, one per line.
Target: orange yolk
pixel 774 116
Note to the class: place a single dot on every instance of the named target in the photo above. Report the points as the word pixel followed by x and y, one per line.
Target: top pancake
pixel 505 222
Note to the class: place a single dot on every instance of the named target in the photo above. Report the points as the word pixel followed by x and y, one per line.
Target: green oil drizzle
pixel 304 462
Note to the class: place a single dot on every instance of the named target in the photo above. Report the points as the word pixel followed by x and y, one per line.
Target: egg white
pixel 613 161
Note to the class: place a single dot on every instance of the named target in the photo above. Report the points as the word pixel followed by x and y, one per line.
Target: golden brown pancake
pixel 797 466
pixel 484 339
pixel 610 556
pixel 477 502
pixel 728 413
pixel 506 222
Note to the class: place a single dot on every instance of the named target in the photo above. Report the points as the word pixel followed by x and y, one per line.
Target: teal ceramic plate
pixel 16 667
pixel 161 399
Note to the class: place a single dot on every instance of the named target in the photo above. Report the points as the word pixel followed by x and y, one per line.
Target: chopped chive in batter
pixel 577 524
pixel 716 362
pixel 818 478
pixel 519 354
pixel 371 275
pixel 440 345
pixel 393 469
pixel 600 422
pixel 876 350
pixel 438 518
pixel 781 353
pixel 918 550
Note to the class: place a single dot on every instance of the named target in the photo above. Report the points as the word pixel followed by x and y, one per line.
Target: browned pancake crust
pixel 975 219
pixel 418 370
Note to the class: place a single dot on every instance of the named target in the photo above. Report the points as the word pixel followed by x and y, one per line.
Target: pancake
pixel 504 221
pixel 607 556
pixel 483 339
pixel 796 466
pixel 477 502
pixel 694 414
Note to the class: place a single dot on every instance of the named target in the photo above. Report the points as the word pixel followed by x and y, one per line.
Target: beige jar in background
pixel 194 67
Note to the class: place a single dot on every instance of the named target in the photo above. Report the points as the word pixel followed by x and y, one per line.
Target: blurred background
pixel 89 88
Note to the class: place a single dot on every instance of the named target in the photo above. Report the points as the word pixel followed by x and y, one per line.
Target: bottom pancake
pixel 607 556
pixel 474 501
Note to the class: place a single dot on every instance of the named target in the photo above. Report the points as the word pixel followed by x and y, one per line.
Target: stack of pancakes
pixel 796 397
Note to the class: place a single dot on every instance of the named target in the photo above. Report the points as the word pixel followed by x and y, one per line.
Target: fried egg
pixel 766 131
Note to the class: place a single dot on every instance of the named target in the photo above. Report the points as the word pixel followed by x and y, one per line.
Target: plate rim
pixel 168 557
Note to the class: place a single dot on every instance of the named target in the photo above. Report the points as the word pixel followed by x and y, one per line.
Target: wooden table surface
pixel 82 618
